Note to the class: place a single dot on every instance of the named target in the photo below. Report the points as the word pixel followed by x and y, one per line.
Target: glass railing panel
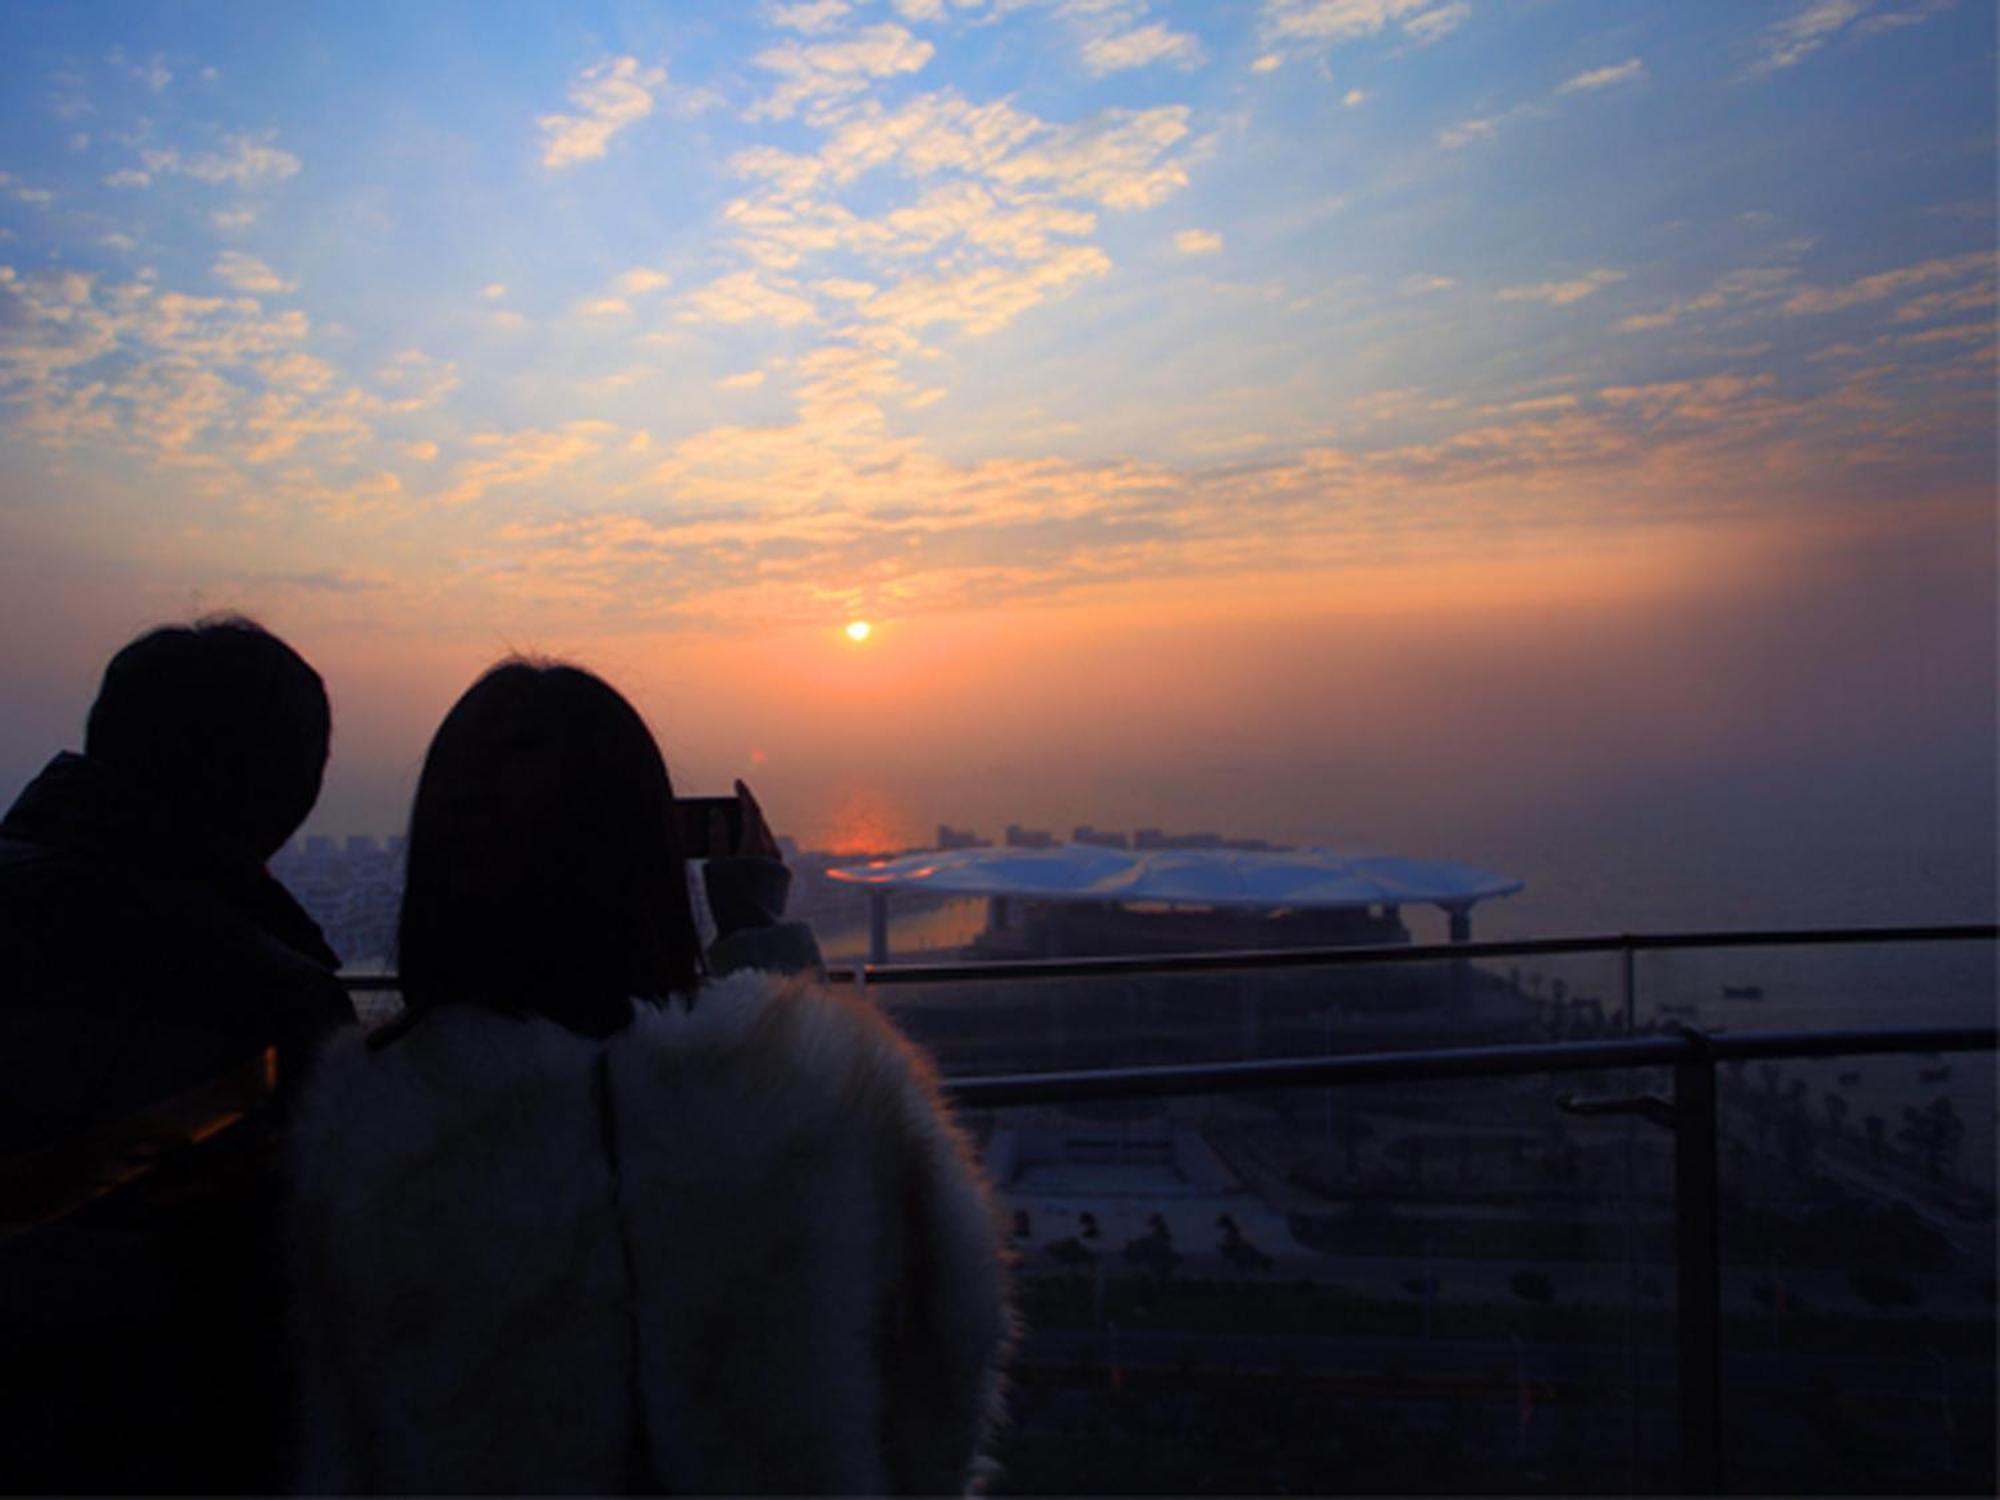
pixel 983 1026
pixel 1821 987
pixel 1435 1288
pixel 1858 1250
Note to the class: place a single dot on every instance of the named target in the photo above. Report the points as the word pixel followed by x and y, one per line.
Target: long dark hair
pixel 546 874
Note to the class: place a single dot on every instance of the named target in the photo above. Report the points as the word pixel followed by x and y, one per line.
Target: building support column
pixel 1460 916
pixel 878 927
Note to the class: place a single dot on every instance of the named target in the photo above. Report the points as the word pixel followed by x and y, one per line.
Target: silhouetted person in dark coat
pixel 145 954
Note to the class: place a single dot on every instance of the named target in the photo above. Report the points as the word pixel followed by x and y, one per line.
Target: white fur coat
pixel 738 1249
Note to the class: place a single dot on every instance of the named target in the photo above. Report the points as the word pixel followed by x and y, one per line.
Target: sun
pixel 859 630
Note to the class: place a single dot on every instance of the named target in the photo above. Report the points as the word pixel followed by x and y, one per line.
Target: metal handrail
pixel 1244 960
pixel 1236 960
pixel 1513 1060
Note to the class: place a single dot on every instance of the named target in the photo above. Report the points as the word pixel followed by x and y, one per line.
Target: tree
pixel 1878 1135
pixel 1836 1112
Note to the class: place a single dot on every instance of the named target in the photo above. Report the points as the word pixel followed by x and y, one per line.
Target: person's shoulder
pixel 371 1113
pixel 820 1039
pixel 791 1013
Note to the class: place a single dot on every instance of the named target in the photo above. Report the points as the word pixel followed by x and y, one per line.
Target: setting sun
pixel 859 630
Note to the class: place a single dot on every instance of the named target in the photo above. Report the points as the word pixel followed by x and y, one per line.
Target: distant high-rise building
pixel 1154 838
pixel 1029 838
pixel 949 837
pixel 1103 838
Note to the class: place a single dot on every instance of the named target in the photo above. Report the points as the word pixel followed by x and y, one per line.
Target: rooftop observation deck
pixel 1663 1213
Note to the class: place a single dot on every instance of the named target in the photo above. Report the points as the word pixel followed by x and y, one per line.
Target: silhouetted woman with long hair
pixel 602 1213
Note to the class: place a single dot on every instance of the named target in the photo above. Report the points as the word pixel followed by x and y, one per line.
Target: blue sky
pixel 711 322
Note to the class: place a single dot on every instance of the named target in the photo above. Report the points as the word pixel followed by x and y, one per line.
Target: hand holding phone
pixel 725 827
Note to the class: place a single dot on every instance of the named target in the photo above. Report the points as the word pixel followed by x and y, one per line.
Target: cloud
pixel 246 161
pixel 20 192
pixel 1737 289
pixel 152 72
pixel 526 457
pixel 845 290
pixel 1420 285
pixel 129 177
pixel 246 273
pixel 774 521
pixel 1487 127
pixel 493 291
pixel 417 379
pixel 741 297
pixel 747 380
pixel 1563 293
pixel 1270 62
pixel 1139 47
pixel 1795 38
pixel 604 307
pixel 217 386
pixel 1977 297
pixel 1466 132
pixel 965 218
pixel 1813 300
pixel 825 71
pixel 67 100
pixel 1603 78
pixel 231 220
pixel 1353 98
pixel 1198 242
pixel 1697 400
pixel 1428 26
pixel 920 10
pixel 609 96
pixel 985 300
pixel 1119 159
pixel 1351 20
pixel 1805 31
pixel 810 15
pixel 640 280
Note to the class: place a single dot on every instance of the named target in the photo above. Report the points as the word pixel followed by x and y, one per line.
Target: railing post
pixel 1629 986
pixel 878 927
pixel 1699 1262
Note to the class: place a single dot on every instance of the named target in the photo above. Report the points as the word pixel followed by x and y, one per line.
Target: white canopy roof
pixel 1187 877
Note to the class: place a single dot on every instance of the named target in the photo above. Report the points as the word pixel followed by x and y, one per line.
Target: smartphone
pixel 703 819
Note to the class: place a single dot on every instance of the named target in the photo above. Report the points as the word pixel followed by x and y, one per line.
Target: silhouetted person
pixel 597 1218
pixel 146 955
